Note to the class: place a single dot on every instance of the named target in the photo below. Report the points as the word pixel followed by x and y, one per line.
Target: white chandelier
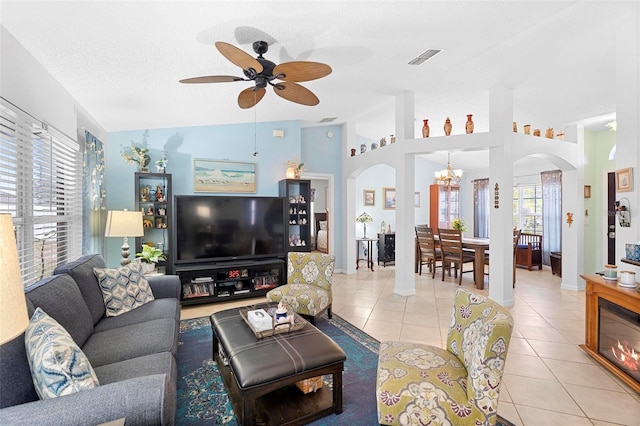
pixel 448 176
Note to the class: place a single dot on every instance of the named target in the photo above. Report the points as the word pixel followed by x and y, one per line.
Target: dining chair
pixel 516 238
pixel 453 253
pixel 429 252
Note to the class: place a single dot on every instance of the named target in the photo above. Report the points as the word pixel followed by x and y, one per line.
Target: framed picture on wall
pixel 416 199
pixel 624 180
pixel 223 176
pixel 369 197
pixel 389 195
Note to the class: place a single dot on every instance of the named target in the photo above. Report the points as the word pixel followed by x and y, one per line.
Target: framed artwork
pixel 416 199
pixel 389 195
pixel 587 191
pixel 369 197
pixel 223 176
pixel 624 180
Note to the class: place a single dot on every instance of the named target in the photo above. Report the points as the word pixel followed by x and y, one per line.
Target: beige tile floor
pixel 548 380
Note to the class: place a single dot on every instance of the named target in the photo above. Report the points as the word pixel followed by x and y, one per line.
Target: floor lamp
pixel 125 224
pixel 13 306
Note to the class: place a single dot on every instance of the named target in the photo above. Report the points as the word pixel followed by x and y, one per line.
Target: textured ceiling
pixel 122 60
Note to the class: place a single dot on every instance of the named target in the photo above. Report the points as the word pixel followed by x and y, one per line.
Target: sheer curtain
pixel 551 213
pixel 481 208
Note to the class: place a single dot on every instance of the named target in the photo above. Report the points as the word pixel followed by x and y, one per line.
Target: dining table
pixel 479 247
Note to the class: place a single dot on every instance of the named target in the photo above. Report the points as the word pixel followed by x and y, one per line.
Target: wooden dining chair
pixel 453 253
pixel 516 238
pixel 429 252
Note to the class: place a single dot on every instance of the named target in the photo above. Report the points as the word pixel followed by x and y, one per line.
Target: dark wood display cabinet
pixel 153 198
pixel 386 248
pixel 298 222
pixel 209 283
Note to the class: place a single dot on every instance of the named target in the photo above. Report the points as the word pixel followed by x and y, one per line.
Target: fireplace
pixel 612 328
pixel 619 337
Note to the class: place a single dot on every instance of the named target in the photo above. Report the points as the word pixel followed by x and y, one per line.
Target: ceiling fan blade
pixel 296 93
pixel 238 57
pixel 250 96
pixel 302 70
pixel 212 79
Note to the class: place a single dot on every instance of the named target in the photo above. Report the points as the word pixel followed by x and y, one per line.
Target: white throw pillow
pixel 58 366
pixel 124 288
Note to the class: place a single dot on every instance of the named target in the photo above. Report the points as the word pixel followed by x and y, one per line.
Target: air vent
pixel 328 120
pixel 424 56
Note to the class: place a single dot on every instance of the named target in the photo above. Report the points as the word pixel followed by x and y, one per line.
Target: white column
pixel 628 125
pixel 349 205
pixel 501 218
pixel 573 202
pixel 405 187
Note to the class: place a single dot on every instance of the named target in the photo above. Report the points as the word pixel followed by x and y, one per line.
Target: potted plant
pixel 458 224
pixel 149 256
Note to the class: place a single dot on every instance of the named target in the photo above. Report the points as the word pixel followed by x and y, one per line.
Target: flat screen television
pixel 225 228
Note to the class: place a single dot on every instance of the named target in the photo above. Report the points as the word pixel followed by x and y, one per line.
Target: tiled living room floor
pixel 548 380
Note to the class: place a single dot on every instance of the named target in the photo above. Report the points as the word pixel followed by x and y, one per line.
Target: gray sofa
pixel 132 354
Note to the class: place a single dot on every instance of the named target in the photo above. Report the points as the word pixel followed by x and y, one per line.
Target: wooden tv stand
pixel 628 298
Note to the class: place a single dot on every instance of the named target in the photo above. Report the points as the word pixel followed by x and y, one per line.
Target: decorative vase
pixel 363 148
pixel 536 132
pixel 296 173
pixel 353 152
pixel 447 126
pixel 527 129
pixel 469 124
pixel 515 127
pixel 393 139
pixel 425 128
pixel 383 142
pixel 374 146
pixel 549 133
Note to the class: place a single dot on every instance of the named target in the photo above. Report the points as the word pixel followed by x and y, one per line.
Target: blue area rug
pixel 203 400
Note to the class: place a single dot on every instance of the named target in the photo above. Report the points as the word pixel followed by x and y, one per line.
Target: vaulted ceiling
pixel 122 60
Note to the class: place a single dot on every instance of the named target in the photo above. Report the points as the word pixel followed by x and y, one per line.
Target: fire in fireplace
pixel 619 337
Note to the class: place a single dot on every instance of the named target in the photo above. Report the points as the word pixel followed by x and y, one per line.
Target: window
pixel 527 208
pixel 40 186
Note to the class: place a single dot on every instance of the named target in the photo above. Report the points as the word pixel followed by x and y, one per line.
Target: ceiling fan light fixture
pixel 425 56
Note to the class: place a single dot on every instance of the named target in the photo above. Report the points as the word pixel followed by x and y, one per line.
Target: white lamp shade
pixel 123 223
pixel 13 306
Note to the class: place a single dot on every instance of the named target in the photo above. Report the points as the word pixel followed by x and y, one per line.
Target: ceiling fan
pixel 264 72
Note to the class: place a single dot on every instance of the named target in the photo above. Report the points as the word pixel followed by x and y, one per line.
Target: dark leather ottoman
pixel 260 374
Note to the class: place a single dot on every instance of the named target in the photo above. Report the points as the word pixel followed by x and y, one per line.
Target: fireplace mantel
pixel 628 298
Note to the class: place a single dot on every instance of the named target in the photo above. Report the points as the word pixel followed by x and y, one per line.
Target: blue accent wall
pixel 233 142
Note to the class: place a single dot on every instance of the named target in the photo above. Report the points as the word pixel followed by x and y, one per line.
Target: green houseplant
pixel 458 224
pixel 150 256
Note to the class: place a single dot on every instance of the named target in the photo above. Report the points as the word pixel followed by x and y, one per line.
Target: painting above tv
pixel 211 229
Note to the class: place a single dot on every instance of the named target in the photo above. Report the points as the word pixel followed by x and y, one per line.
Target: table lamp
pixel 125 224
pixel 364 218
pixel 13 306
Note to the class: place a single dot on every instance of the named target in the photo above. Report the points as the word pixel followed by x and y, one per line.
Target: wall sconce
pixel 623 211
pixel 496 197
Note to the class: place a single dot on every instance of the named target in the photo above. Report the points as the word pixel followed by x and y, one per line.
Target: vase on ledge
pixel 447 126
pixel 425 128
pixel 469 124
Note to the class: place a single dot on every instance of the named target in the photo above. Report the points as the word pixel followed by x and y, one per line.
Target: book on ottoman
pixel 260 320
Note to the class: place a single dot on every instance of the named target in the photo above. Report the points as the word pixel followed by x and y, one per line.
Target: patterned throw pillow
pixel 58 365
pixel 124 288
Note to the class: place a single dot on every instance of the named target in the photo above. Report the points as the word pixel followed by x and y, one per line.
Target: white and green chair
pixel 421 384
pixel 308 288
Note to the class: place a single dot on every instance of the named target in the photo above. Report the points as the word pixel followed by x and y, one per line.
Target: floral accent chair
pixel 308 288
pixel 418 384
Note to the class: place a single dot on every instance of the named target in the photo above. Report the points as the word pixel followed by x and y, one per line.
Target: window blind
pixel 40 186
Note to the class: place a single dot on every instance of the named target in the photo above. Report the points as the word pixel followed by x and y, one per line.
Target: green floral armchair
pixel 308 288
pixel 419 384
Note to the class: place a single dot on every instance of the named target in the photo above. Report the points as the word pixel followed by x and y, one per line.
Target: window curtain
pixel 481 208
pixel 551 213
pixel 93 204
